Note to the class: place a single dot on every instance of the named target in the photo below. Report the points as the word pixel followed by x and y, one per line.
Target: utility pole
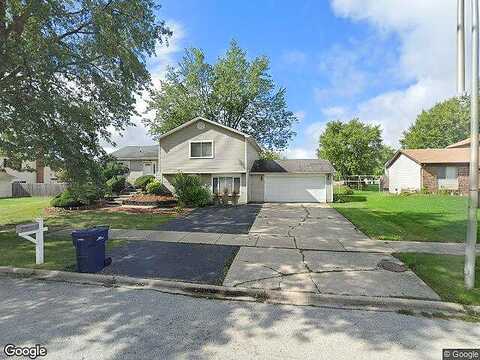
pixel 470 253
pixel 460 47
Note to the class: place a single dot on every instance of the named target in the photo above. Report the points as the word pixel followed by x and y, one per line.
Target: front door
pixel 147 168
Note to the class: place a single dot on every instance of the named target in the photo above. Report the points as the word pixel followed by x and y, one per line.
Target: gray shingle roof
pixel 293 166
pixel 137 152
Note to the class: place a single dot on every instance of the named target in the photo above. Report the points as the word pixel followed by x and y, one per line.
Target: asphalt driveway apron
pixel 207 264
pixel 216 219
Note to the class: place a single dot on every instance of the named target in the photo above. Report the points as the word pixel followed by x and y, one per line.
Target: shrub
pixel 78 195
pixel 65 199
pixel 189 190
pixel 114 168
pixel 342 190
pixel 116 184
pixel 155 187
pixel 143 181
pixel 341 193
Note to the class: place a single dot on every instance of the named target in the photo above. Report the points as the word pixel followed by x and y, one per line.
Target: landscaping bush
pixel 342 190
pixel 78 195
pixel 143 181
pixel 116 184
pixel 341 193
pixel 113 169
pixel 65 199
pixel 189 190
pixel 155 187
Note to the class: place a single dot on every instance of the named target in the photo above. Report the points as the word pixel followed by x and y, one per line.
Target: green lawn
pixel 116 219
pixel 444 274
pixel 20 210
pixel 416 217
pixel 59 252
pixel 17 210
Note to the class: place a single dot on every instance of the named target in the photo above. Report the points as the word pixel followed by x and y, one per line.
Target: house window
pixel 447 173
pixel 201 149
pixel 222 184
pixel 447 178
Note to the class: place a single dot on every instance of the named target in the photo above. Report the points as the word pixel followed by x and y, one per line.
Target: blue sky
pixel 375 59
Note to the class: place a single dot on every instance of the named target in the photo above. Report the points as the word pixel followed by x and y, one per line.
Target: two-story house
pixel 226 159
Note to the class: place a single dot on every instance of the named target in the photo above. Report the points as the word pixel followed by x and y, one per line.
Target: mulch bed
pixel 156 200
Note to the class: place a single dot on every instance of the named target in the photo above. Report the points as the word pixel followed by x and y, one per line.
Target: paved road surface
pixel 86 322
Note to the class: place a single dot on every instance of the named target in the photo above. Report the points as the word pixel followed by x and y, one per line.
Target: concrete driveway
pixel 307 248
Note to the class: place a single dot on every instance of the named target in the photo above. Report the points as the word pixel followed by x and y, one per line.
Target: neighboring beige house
pixel 140 160
pixel 225 158
pixel 430 169
pixel 34 173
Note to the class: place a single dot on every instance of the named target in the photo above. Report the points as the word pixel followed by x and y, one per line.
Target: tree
pixel 354 148
pixel 444 124
pixel 233 91
pixel 270 155
pixel 69 72
pixel 385 154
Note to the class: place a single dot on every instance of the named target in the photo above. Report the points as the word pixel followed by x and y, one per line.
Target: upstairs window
pixel 201 149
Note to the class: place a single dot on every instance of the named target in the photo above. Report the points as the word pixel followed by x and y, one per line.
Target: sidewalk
pixel 269 241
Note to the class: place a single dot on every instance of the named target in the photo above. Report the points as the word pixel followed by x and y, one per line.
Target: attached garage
pixel 291 181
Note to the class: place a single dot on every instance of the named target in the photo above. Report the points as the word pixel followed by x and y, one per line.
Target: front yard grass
pixel 59 252
pixel 18 210
pixel 115 219
pixel 415 217
pixel 444 274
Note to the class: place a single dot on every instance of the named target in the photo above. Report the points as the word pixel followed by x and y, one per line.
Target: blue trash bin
pixel 90 248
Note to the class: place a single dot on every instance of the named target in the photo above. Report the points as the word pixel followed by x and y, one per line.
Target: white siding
pixel 404 174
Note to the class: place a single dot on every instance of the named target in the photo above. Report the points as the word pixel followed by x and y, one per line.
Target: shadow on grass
pixel 353 198
pixel 407 225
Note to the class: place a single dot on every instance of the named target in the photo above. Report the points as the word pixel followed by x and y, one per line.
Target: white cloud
pixel 426 30
pixel 298 153
pixel 334 112
pixel 165 56
pixel 308 150
pixel 294 57
pixel 344 77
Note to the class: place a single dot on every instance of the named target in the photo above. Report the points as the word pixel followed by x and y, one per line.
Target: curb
pixel 247 294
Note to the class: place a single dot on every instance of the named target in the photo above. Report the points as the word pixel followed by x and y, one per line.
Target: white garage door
pixel 295 188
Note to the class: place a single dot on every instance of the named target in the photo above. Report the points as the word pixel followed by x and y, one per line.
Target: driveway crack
pixel 300 223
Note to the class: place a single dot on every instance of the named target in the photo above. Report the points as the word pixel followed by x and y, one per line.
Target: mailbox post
pixel 27 230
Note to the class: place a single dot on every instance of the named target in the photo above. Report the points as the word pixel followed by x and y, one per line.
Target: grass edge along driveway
pixel 413 217
pixel 444 274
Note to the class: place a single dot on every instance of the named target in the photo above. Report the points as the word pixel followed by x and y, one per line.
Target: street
pixel 87 322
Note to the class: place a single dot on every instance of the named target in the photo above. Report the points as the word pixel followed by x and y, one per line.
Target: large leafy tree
pixel 354 148
pixel 444 124
pixel 233 91
pixel 69 71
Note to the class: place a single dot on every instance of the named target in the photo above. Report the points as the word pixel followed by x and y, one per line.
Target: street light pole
pixel 469 270
pixel 460 47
